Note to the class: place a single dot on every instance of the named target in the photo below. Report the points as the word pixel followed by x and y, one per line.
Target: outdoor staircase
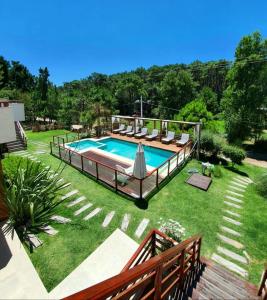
pixel 163 269
pixel 21 142
pixel 215 282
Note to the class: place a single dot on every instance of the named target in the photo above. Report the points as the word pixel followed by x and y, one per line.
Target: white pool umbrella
pixel 139 170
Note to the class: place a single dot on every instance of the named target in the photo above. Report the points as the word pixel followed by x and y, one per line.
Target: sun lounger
pixel 143 133
pixel 123 174
pixel 128 129
pixel 122 127
pixel 153 135
pixel 132 133
pixel 183 140
pixel 168 138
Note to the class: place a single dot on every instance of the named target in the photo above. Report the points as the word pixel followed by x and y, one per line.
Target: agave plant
pixel 31 198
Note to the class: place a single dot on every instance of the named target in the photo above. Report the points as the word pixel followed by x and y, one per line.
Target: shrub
pixel 261 185
pixel 173 229
pixel 210 142
pixel 10 165
pixel 31 198
pixel 235 154
pixel 217 172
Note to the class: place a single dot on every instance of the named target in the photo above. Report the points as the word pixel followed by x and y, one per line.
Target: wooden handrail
pixel 263 289
pixel 125 284
pixel 150 235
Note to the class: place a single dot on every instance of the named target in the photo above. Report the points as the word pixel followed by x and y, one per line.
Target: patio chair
pixel 123 175
pixel 169 138
pixel 132 133
pixel 153 135
pixel 183 140
pixel 122 127
pixel 142 134
pixel 128 129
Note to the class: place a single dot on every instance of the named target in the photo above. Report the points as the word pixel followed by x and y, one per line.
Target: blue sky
pixel 74 38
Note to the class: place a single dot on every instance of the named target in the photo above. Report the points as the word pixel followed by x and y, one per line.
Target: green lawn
pixel 197 211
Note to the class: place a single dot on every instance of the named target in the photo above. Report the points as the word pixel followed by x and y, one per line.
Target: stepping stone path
pixel 234 200
pixel 49 230
pixel 141 227
pixel 34 240
pixel 231 231
pixel 108 219
pixel 232 221
pixel 68 195
pixel 82 209
pixel 93 213
pixel 76 201
pixel 232 205
pixel 236 188
pixel 60 219
pixel 232 255
pixel 234 193
pixel 229 265
pixel 232 213
pixel 125 222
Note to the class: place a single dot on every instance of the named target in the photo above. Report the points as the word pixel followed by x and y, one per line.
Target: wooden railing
pixel 263 285
pixel 142 190
pixel 21 133
pixel 154 243
pixel 156 278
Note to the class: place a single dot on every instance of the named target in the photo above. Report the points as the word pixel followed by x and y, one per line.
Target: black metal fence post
pixel 116 180
pixel 96 166
pixel 157 178
pixel 59 152
pixel 168 167
pixel 141 189
pixel 82 162
pixel 51 151
pixel 69 157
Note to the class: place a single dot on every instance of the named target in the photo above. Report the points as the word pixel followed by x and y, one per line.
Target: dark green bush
pixel 234 153
pixel 210 142
pixel 261 185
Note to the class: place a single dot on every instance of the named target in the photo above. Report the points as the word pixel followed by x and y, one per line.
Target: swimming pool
pixel 154 156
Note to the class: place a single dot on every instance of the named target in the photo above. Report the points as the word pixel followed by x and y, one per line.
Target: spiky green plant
pixel 31 197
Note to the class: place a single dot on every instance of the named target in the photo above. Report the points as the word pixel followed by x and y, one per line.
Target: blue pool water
pixel 154 156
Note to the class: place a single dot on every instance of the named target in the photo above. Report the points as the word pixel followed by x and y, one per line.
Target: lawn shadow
pixel 235 170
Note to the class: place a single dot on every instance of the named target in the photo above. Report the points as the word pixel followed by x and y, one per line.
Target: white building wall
pixel 7 125
pixel 18 110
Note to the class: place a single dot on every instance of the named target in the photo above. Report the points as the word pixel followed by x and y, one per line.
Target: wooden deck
pixel 171 147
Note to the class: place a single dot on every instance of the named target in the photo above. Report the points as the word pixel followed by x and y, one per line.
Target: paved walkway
pixel 232 255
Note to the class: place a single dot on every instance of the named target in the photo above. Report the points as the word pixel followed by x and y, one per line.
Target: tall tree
pixel 42 92
pixel 20 78
pixel 247 89
pixel 4 66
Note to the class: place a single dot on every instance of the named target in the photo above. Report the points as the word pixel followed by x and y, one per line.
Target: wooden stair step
pixel 234 290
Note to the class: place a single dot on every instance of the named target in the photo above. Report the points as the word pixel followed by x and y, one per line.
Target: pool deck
pixel 158 144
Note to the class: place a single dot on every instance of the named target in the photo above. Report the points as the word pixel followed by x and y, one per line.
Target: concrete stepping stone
pixel 66 185
pixel 231 231
pixel 236 188
pixel 40 152
pixel 232 213
pixel 93 213
pixel 232 255
pixel 229 265
pixel 247 179
pixel 232 205
pixel 125 222
pixel 238 184
pixel 60 219
pixel 108 219
pixel 34 240
pixel 241 181
pixel 230 242
pixel 232 221
pixel 68 195
pixel 234 193
pixel 82 209
pixel 49 230
pixel 247 256
pixel 141 227
pixel 76 201
pixel 60 180
pixel 233 199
